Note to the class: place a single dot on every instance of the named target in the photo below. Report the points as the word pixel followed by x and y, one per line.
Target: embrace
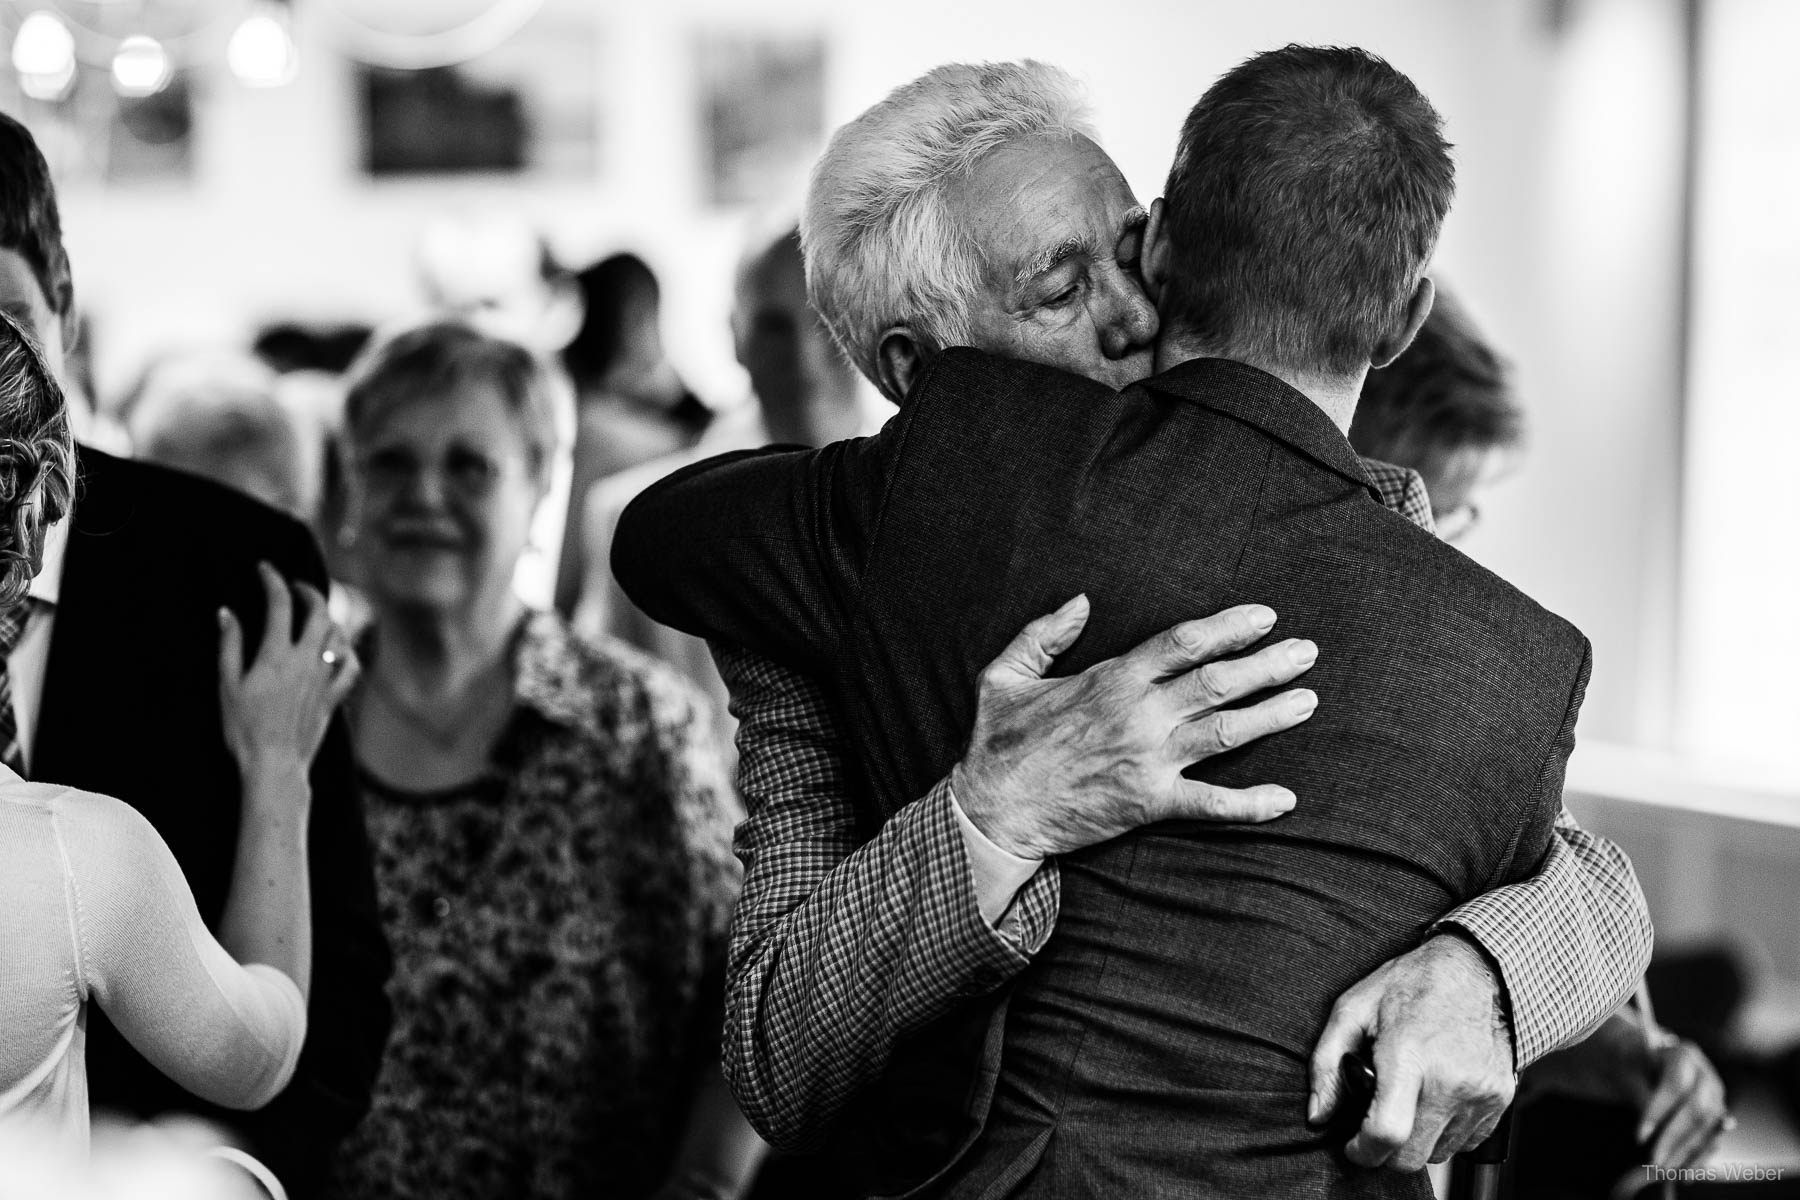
pixel 1079 904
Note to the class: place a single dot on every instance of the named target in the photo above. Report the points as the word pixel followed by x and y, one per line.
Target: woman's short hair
pixel 37 457
pixel 881 246
pixel 428 363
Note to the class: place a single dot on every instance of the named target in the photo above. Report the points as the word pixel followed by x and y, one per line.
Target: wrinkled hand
pixel 277 709
pixel 1058 764
pixel 1683 1103
pixel 1443 1055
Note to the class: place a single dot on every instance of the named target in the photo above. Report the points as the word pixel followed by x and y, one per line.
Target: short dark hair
pixel 611 290
pixel 1307 193
pixel 29 224
pixel 1447 393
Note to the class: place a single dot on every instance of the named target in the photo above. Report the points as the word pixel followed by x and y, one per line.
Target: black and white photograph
pixel 803 600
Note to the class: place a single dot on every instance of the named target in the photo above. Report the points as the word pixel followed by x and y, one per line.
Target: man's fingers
pixel 1036 646
pixel 1349 1026
pixel 1218 732
pixel 1218 683
pixel 1195 801
pixel 1458 1135
pixel 1389 1127
pixel 1194 642
pixel 1676 1078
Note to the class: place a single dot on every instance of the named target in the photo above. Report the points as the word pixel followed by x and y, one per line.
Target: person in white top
pixel 96 908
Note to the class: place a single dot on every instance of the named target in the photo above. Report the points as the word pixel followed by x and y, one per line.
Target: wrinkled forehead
pixel 1040 195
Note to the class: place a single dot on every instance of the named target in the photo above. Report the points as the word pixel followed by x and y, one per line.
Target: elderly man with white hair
pixel 974 207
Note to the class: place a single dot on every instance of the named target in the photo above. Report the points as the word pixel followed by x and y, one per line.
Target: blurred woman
pixel 551 825
pixel 96 908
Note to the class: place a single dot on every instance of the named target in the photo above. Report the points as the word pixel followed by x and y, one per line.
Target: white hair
pixel 881 246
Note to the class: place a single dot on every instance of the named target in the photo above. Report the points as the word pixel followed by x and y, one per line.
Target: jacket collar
pixel 1259 399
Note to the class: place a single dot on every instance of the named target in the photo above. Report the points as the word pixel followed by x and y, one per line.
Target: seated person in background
pixel 122 622
pixel 806 395
pixel 631 405
pixel 1445 408
pixel 1162 1037
pixel 96 906
pixel 219 416
pixel 551 823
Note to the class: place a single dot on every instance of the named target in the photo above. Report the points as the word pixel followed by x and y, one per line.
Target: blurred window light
pixel 412 34
pixel 141 67
pixel 1739 640
pixel 261 52
pixel 43 54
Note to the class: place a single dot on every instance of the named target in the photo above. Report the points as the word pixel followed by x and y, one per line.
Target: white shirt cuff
pixel 998 874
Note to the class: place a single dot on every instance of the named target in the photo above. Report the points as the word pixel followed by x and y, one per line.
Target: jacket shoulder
pixel 192 517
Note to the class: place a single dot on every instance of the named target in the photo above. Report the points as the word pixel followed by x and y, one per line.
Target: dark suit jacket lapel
pixel 93 604
pixel 1259 399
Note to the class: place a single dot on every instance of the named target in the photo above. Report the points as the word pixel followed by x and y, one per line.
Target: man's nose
pixel 1129 323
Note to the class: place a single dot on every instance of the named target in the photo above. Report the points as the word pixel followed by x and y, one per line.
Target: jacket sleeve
pixel 350 1014
pixel 760 548
pixel 1572 940
pixel 842 941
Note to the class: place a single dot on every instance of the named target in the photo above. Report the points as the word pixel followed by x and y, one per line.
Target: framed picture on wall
pixel 91 134
pixel 762 112
pixel 528 105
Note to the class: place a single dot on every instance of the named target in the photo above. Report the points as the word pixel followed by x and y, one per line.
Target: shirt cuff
pixel 998 873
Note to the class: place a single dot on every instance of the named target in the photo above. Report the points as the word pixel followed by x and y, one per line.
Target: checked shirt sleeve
pixel 1571 942
pixel 841 942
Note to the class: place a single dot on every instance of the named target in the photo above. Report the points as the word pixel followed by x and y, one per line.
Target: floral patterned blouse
pixel 558 930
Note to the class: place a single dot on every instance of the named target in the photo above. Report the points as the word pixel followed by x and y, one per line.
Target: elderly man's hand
pixel 1443 1055
pixel 1058 764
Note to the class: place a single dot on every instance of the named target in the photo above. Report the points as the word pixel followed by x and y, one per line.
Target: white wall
pixel 1563 239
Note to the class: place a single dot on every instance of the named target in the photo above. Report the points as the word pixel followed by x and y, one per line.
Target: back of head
pixel 881 247
pixel 37 458
pixel 1448 393
pixel 619 300
pixel 217 415
pixel 29 224
pixel 1306 197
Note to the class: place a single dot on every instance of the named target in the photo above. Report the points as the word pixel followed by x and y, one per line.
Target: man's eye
pixel 1065 297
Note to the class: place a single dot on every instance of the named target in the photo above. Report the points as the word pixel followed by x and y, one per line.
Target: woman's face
pixel 445 491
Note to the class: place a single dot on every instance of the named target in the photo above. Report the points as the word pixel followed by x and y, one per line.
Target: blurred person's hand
pixel 1055 765
pixel 1443 1055
pixel 1682 1100
pixel 277 708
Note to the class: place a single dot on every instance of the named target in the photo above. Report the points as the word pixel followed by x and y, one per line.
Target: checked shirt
pixel 842 941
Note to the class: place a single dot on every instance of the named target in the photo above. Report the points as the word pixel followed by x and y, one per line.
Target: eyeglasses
pixel 1454 523
pixel 463 470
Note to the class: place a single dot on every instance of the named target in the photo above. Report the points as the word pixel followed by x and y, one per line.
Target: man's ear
pixel 1155 262
pixel 1417 309
pixel 898 361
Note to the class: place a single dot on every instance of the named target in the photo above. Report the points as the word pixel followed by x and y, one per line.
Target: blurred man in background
pixel 806 394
